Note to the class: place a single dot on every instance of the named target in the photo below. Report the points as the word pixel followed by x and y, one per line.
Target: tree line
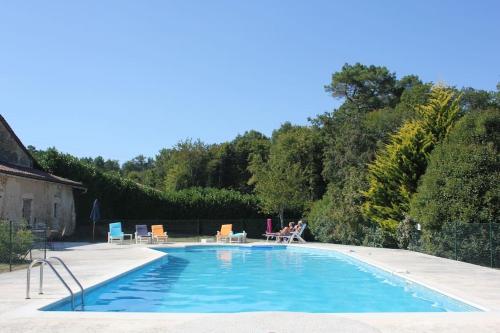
pixel 360 173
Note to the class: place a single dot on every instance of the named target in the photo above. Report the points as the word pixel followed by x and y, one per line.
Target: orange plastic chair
pixel 226 230
pixel 158 233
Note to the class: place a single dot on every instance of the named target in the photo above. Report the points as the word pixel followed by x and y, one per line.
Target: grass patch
pixel 15 266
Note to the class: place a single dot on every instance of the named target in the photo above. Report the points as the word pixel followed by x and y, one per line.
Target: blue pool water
pixel 242 279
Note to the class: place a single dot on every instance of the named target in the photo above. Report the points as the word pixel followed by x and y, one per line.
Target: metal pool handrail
pixel 73 276
pixel 43 262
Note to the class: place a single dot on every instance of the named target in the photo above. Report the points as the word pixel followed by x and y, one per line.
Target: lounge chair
pixel 271 235
pixel 158 234
pixel 294 235
pixel 142 234
pixel 226 230
pixel 115 233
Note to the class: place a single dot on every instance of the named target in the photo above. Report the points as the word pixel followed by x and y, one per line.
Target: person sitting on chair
pixel 298 226
pixel 285 231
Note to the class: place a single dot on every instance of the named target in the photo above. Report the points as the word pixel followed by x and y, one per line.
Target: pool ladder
pixel 43 262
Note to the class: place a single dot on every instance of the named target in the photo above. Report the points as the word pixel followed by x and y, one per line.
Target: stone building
pixel 29 194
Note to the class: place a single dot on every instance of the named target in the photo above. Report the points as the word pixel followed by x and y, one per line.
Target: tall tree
pixel 462 182
pixel 290 178
pixel 246 146
pixel 302 145
pixel 187 165
pixel 279 184
pixel 139 163
pixel 475 100
pixel 352 135
pixel 394 175
pixel 366 87
pixel 103 165
pixel 141 170
pixel 223 168
pixel 228 167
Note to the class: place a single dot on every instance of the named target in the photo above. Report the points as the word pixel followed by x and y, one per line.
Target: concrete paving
pixel 96 263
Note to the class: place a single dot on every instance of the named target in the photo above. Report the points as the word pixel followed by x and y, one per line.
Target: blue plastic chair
pixel 115 232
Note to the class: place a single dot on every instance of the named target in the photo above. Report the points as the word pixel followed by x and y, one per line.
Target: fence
pixel 20 243
pixel 475 243
pixel 179 228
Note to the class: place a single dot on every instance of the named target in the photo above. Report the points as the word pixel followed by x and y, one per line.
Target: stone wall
pixel 51 203
pixel 10 151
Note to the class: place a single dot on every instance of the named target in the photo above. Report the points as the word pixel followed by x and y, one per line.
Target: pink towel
pixel 269 226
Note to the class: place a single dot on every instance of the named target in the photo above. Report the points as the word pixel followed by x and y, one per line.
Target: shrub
pixel 462 182
pixel 406 233
pixel 459 193
pixel 22 239
pixel 469 242
pixel 375 236
pixel 337 216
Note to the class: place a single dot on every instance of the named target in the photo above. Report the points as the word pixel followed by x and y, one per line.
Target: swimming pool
pixel 218 279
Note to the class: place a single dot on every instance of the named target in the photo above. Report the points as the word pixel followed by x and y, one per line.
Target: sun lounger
pixel 293 235
pixel 142 234
pixel 158 234
pixel 271 235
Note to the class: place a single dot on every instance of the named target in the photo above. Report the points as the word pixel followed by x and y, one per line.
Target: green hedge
pixel 121 198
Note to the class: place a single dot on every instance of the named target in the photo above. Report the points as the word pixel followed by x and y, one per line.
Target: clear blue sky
pixel 120 78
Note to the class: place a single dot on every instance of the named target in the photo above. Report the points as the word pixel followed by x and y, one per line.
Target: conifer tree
pixel 393 175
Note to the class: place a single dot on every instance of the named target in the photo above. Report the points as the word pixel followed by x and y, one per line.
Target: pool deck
pixel 95 263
